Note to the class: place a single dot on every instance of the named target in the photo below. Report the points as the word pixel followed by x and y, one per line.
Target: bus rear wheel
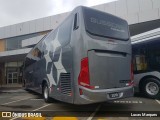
pixel 151 88
pixel 46 93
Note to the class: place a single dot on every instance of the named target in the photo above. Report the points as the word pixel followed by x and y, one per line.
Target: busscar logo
pixel 6 114
pixel 111 25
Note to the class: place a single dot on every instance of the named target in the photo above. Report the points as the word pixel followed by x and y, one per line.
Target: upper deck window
pixel 105 25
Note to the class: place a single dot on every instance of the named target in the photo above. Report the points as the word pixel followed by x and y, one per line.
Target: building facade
pixel 17 40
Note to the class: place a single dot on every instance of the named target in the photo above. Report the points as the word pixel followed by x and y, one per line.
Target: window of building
pixel 13 44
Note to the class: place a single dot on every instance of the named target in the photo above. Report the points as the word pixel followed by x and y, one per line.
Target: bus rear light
pixel 130 83
pixel 80 92
pixel 51 88
pixel 132 75
pixel 71 94
pixel 83 78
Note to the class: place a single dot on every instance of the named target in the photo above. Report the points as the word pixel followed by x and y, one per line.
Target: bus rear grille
pixel 65 82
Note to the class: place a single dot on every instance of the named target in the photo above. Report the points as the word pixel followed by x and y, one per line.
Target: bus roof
pixel 146 36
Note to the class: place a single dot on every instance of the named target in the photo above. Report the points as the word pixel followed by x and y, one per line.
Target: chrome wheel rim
pixel 45 93
pixel 152 88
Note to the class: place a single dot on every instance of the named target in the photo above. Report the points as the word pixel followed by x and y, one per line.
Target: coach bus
pixel 86 59
pixel 146 58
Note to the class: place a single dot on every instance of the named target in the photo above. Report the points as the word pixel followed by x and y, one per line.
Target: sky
pixel 17 11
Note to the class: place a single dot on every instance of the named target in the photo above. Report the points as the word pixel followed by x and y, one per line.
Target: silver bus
pixel 86 59
pixel 146 59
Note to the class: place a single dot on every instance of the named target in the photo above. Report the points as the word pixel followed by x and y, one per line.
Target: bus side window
pixel 47 43
pixel 76 22
pixel 64 34
pixel 30 58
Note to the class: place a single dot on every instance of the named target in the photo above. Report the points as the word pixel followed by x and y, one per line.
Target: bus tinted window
pixel 65 31
pixel 106 25
pixel 34 55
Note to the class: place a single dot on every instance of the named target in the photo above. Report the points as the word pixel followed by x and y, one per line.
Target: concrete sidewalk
pixel 11 88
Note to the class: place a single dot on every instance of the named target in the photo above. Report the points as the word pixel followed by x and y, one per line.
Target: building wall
pixel 34 26
pixel 134 11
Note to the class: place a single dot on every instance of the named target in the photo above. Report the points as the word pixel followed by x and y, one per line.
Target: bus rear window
pixel 105 25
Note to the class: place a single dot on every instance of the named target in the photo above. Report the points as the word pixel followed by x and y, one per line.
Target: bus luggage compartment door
pixel 108 69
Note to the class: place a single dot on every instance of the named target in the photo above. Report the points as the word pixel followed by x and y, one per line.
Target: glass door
pixel 15 77
pixel 12 77
pixel 9 78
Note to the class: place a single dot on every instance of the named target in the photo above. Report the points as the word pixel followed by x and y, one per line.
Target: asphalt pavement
pixel 21 101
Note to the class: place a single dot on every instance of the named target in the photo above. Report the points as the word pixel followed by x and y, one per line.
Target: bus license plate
pixel 114 95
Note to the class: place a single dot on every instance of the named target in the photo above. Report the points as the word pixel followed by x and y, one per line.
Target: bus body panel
pixel 60 65
pixel 65 86
pixel 61 72
pixel 99 66
pixel 106 75
pixel 95 96
pixel 55 66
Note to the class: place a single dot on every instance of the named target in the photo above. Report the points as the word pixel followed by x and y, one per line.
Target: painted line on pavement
pixel 102 119
pixel 15 101
pixel 33 110
pixel 129 102
pixel 41 107
pixel 93 114
pixel 36 99
pixel 2 97
pixel 158 101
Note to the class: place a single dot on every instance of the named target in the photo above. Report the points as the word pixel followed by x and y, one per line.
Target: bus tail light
pixel 80 92
pixel 83 78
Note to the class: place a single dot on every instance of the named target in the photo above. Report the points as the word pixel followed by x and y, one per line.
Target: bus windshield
pixel 106 25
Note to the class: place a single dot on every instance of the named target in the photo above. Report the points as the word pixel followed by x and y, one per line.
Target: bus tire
pixel 46 93
pixel 151 88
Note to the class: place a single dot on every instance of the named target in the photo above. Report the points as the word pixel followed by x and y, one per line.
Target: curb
pixel 13 91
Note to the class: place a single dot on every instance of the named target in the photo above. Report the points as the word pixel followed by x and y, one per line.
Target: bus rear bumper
pixel 94 96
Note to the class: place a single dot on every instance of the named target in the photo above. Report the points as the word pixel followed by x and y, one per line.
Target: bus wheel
pixel 46 93
pixel 151 88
